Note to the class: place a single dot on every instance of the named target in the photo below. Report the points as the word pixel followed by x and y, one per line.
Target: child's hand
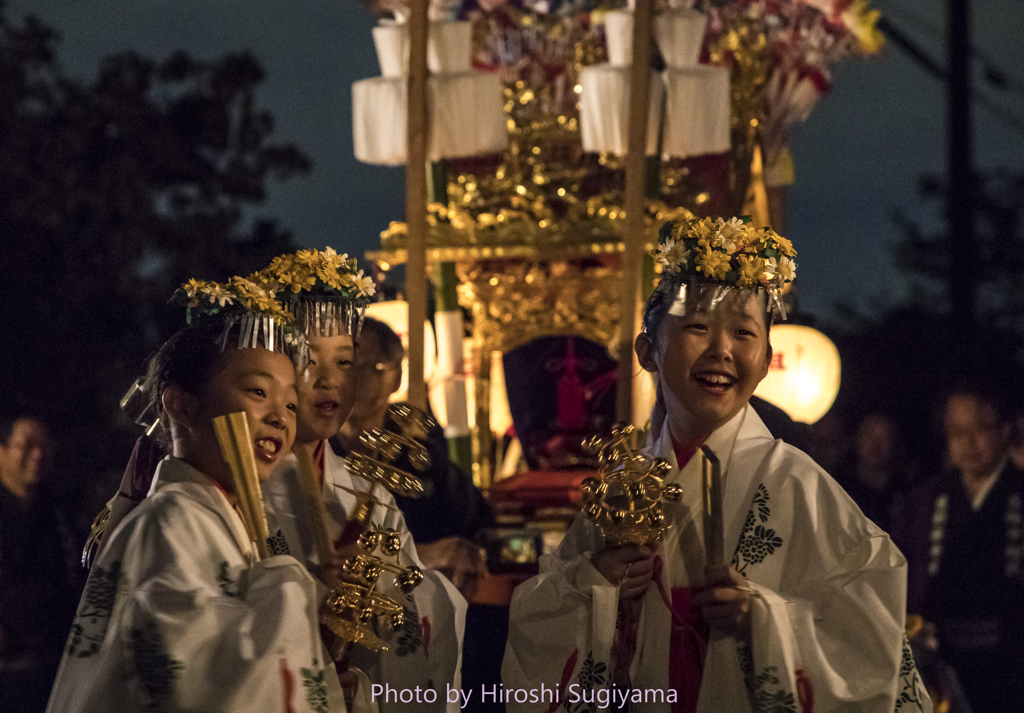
pixel 631 567
pixel 331 574
pixel 460 560
pixel 726 601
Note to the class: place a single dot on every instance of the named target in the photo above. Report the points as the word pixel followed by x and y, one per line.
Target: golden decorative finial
pixel 625 502
pixel 352 604
pixel 379 449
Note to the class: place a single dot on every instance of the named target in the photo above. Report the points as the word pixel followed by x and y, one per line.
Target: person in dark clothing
pixel 39 577
pixel 878 475
pixel 780 424
pixel 961 532
pixel 452 511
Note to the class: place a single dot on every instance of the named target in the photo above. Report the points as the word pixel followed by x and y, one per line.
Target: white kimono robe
pixel 830 597
pixel 427 651
pixel 179 615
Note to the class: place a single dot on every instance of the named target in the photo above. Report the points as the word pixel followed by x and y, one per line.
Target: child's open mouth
pixel 266 449
pixel 715 382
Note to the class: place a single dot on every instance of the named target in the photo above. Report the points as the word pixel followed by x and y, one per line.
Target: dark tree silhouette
pixel 901 358
pixel 113 192
pixel 924 255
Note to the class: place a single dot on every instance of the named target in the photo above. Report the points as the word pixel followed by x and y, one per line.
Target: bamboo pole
pixel 639 101
pixel 416 198
pixel 316 516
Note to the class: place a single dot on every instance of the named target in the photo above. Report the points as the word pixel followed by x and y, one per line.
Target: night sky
pixel 857 158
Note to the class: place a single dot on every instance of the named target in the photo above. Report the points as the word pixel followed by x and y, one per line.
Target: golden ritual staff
pixel 626 501
pixel 354 604
pixel 374 457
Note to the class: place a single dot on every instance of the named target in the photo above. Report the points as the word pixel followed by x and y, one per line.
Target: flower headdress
pixel 325 292
pixel 241 301
pixel 715 252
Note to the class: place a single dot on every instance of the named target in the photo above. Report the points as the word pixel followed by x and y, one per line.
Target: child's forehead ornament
pixel 325 292
pixel 704 260
pixel 262 320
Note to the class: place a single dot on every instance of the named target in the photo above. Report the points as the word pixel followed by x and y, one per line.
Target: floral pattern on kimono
pixel 828 604
pixel 179 614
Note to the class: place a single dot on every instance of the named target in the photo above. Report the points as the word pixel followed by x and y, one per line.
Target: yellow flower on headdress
pixel 751 271
pixel 713 263
pixel 785 245
pixel 749 238
pixel 862 22
pixel 703 229
pixel 193 288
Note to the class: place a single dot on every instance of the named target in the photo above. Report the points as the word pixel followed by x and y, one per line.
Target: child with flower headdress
pixel 179 612
pixel 327 295
pixel 806 612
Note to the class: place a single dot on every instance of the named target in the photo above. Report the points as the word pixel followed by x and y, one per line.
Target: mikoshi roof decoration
pixel 544 190
pixel 324 291
pixel 781 54
pixel 263 319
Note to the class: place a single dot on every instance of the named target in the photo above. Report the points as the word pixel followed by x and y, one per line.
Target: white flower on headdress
pixel 729 232
pixel 786 269
pixel 672 254
pixel 358 283
pixel 782 267
pixel 364 285
pixel 218 294
pixel 334 258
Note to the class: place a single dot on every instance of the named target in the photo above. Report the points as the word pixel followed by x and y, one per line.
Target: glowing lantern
pixel 803 378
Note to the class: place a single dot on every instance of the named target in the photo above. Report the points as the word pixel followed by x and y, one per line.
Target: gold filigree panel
pixel 514 301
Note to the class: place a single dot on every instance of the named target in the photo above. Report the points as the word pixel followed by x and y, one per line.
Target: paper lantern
pixel 803 378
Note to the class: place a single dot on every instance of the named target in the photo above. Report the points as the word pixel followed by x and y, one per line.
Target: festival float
pixel 545 143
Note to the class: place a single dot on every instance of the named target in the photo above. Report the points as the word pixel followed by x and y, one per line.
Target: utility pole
pixel 962 241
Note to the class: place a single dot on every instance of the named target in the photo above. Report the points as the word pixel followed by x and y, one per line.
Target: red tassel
pixel 658 565
pixel 570 666
pixel 425 634
pixel 805 691
pixel 287 686
pixel 572 411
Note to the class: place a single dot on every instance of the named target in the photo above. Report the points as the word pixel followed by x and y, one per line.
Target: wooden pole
pixel 639 101
pixel 416 198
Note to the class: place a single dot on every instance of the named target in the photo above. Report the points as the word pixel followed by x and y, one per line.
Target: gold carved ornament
pixel 626 502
